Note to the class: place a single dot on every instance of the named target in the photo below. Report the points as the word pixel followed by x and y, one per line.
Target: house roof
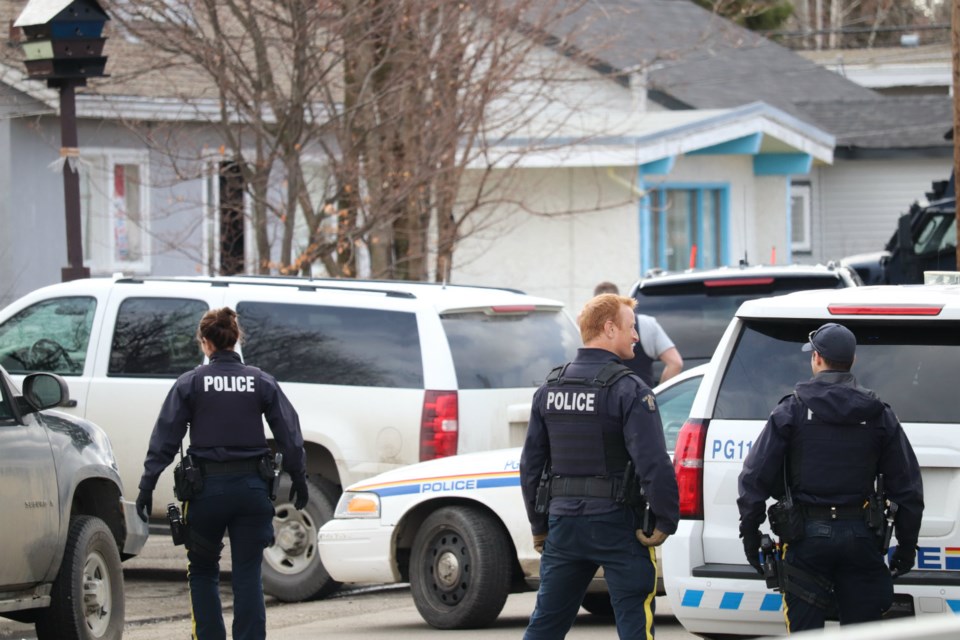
pixel 905 123
pixel 698 59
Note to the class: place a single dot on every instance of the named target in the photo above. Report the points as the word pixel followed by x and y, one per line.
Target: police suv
pixel 382 374
pixel 908 351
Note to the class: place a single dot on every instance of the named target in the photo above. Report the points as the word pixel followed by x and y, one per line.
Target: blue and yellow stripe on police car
pixel 439 484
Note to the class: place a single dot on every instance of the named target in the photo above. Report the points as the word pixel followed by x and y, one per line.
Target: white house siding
pixel 857 203
pixel 589 229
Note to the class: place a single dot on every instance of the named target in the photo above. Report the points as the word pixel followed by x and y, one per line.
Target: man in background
pixel 654 345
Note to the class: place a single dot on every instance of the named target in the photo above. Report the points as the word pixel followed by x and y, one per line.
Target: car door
pixel 29 502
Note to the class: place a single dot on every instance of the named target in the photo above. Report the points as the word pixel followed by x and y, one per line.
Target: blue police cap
pixel 834 342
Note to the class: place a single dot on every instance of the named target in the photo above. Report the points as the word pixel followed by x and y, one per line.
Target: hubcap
pixel 448 569
pixel 97 599
pixel 295 541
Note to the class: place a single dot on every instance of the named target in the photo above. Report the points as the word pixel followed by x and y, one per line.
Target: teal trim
pixel 782 164
pixel 643 214
pixel 745 146
pixel 695 223
pixel 658 167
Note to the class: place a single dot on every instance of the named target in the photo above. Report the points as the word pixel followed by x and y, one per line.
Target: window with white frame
pixel 800 217
pixel 226 227
pixel 114 211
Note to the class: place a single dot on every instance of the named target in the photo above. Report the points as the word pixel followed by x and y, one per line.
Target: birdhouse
pixel 63 40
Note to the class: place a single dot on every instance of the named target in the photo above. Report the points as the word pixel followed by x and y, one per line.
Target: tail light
pixel 439 427
pixel 688 465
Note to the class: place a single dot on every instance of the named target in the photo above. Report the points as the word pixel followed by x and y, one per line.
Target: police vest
pixel 833 461
pixel 227 407
pixel 585 439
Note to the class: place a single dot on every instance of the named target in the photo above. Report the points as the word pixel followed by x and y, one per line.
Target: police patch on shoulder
pixel 649 401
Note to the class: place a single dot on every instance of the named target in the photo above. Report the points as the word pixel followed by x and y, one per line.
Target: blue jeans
pixel 846 553
pixel 576 546
pixel 238 504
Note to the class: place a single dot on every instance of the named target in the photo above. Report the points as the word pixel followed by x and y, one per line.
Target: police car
pixel 908 352
pixel 456 528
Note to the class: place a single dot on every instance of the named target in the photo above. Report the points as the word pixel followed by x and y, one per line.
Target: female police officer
pixel 222 402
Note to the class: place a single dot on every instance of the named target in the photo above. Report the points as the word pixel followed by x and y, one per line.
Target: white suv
pixel 383 374
pixel 908 352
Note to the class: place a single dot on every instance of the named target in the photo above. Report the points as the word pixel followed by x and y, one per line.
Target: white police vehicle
pixel 908 352
pixel 456 528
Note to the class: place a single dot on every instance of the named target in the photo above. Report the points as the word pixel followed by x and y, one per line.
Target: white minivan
pixel 908 352
pixel 383 374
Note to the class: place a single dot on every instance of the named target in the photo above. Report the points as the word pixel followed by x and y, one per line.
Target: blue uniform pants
pixel 238 504
pixel 576 546
pixel 846 553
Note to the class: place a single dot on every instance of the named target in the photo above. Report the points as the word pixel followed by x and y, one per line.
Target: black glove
pixel 299 489
pixel 903 559
pixel 751 548
pixel 144 504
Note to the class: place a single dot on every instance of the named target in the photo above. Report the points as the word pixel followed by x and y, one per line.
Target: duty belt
pixel 210 468
pixel 584 487
pixel 824 512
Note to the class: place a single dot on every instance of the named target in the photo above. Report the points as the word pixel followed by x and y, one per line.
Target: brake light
pixel 885 310
pixel 439 428
pixel 513 308
pixel 688 465
pixel 738 282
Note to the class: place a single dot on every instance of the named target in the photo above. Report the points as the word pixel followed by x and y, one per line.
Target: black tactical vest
pixel 585 440
pixel 831 461
pixel 227 408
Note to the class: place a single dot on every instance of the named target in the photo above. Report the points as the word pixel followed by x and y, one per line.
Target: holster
pixel 786 521
pixel 187 479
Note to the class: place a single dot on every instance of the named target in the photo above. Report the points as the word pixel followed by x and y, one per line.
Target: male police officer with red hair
pixel 591 420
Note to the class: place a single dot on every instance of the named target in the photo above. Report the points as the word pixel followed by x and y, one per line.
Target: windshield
pixel 913 367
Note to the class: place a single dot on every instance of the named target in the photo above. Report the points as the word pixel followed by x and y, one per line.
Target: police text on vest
pixel 571 400
pixel 228 383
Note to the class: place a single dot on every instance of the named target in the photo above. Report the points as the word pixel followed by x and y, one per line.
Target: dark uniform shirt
pixel 832 398
pixel 224 400
pixel 633 404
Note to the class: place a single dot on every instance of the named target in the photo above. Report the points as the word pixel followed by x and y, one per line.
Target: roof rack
pixel 303 285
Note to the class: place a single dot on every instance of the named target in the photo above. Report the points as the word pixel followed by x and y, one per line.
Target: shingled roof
pixel 898 123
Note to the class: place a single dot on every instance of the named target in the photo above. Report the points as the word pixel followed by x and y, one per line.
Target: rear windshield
pixel 695 316
pixel 503 351
pixel 913 367
pixel 332 345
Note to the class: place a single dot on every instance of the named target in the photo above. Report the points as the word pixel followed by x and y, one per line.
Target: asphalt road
pixel 157 608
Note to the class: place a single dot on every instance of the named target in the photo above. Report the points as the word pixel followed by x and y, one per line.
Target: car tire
pixel 87 597
pixel 598 604
pixel 460 568
pixel 292 570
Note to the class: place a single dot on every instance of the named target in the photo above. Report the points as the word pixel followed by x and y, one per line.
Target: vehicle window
pixel 156 337
pixel 509 350
pixel 52 335
pixel 695 316
pixel 913 367
pixel 674 404
pixel 333 345
pixel 937 234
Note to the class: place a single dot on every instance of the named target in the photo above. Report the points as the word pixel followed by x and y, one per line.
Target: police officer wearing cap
pixel 588 421
pixel 222 403
pixel 834 437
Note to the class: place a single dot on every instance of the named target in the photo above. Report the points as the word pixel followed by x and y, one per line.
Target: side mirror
pixel 45 390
